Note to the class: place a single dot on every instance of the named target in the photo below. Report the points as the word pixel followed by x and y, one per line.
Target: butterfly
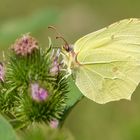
pixel 106 63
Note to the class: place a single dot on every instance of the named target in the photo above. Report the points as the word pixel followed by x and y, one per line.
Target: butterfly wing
pixel 110 62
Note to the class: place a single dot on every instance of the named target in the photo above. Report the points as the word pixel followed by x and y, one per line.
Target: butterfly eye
pixel 68 48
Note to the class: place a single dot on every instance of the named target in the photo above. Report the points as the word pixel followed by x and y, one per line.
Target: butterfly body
pixel 106 63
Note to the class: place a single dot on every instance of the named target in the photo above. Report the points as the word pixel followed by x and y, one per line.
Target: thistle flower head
pixel 2 72
pixel 38 93
pixel 25 45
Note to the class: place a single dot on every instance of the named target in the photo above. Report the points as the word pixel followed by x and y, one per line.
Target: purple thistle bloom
pixel 38 93
pixel 2 72
pixel 55 68
pixel 55 64
pixel 54 123
pixel 25 45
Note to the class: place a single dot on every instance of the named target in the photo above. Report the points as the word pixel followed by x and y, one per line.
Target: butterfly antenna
pixel 66 43
pixel 52 27
pixel 59 36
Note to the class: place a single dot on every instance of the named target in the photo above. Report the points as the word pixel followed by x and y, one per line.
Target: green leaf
pixel 6 130
pixel 74 95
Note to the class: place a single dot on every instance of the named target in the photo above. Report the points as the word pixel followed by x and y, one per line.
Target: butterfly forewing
pixel 110 62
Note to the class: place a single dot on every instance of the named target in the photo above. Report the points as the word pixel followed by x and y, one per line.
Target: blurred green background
pixel 75 18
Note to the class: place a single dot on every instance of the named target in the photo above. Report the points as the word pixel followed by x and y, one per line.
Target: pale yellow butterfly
pixel 106 63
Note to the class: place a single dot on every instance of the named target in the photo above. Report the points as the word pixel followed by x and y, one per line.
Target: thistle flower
pixel 54 123
pixel 2 72
pixel 55 64
pixel 38 93
pixel 55 68
pixel 25 45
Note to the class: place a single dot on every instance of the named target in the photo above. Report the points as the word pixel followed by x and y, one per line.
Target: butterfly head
pixel 67 47
pixel 72 61
pixel 67 50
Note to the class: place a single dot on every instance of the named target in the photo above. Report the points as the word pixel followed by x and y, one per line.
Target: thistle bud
pixel 25 45
pixel 38 93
